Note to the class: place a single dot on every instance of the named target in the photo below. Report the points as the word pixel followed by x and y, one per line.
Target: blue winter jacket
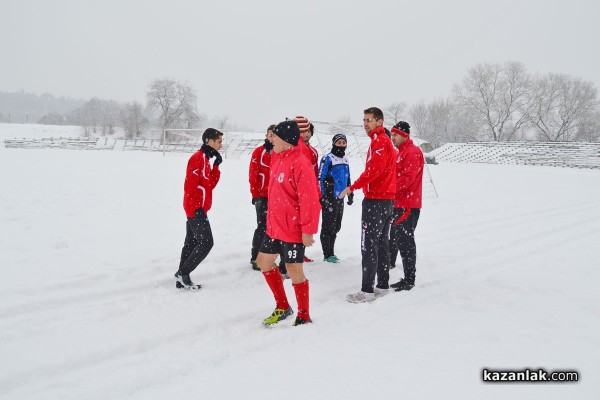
pixel 334 171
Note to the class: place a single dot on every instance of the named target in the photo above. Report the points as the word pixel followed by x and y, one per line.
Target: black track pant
pixel 376 220
pixel 332 211
pixel 402 238
pixel 260 204
pixel 198 242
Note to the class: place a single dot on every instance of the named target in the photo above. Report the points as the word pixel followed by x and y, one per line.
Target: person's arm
pixel 374 167
pixel 308 197
pixel 323 171
pixel 253 177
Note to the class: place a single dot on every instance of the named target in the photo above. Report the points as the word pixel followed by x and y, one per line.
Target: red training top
pixel 409 176
pixel 258 175
pixel 293 207
pixel 377 181
pixel 200 180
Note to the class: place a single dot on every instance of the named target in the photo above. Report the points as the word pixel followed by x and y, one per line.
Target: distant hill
pixel 22 107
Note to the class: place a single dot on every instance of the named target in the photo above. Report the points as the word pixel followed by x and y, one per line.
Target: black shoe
pixel 300 321
pixel 184 282
pixel 402 285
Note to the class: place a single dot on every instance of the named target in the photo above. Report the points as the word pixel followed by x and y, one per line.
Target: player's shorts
pixel 292 253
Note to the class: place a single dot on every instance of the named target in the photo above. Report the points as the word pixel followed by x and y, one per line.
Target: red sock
pixel 275 282
pixel 302 298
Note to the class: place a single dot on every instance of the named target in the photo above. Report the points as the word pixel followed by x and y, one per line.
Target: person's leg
pixel 294 254
pixel 326 227
pixel 371 227
pixel 188 244
pixel 338 213
pixel 408 247
pixel 395 237
pixel 260 205
pixel 265 259
pixel 202 233
pixel 383 258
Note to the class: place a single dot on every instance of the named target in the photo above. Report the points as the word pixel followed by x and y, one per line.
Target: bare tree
pixel 442 121
pixel 176 102
pixel 498 96
pixel 395 113
pixel 133 120
pixel 222 122
pixel 562 106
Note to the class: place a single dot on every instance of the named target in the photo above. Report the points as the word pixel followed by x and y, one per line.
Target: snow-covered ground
pixel 507 278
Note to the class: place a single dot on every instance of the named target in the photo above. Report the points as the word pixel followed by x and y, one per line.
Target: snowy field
pixel 507 278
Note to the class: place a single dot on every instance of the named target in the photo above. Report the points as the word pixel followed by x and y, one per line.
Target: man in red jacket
pixel 407 208
pixel 307 129
pixel 258 177
pixel 200 180
pixel 292 220
pixel 379 187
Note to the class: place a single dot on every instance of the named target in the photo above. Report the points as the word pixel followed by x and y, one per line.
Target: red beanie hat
pixel 402 128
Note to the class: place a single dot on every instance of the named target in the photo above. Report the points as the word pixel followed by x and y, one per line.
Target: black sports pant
pixel 260 204
pixel 376 219
pixel 403 239
pixel 198 242
pixel 332 212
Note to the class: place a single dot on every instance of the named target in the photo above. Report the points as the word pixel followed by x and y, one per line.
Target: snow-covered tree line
pixel 504 102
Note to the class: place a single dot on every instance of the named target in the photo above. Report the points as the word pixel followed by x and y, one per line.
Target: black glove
pixel 350 199
pixel 218 158
pixel 253 201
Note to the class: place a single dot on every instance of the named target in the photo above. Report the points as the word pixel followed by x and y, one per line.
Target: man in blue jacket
pixel 334 176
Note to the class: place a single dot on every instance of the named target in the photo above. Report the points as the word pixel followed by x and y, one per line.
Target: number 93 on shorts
pixel 292 253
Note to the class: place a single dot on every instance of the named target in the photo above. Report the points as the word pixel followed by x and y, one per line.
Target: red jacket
pixel 377 181
pixel 311 153
pixel 260 162
pixel 409 176
pixel 293 207
pixel 200 180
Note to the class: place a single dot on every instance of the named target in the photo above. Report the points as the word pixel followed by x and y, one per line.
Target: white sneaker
pixel 360 297
pixel 380 292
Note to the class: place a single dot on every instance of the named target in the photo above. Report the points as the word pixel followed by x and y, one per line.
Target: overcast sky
pixel 260 61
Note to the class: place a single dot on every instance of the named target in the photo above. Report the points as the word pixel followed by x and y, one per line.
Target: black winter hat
pixel 338 137
pixel 288 131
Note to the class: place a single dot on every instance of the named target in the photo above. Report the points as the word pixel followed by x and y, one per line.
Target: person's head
pixel 400 133
pixel 373 118
pixel 213 138
pixel 269 135
pixel 339 140
pixel 304 125
pixel 285 136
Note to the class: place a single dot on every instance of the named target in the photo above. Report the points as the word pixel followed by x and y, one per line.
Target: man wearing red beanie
pixel 407 207
pixel 378 184
pixel 292 220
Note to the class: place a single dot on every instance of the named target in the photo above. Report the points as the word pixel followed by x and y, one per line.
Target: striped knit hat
pixel 303 123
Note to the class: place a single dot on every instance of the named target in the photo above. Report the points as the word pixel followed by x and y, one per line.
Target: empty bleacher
pixel 556 154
